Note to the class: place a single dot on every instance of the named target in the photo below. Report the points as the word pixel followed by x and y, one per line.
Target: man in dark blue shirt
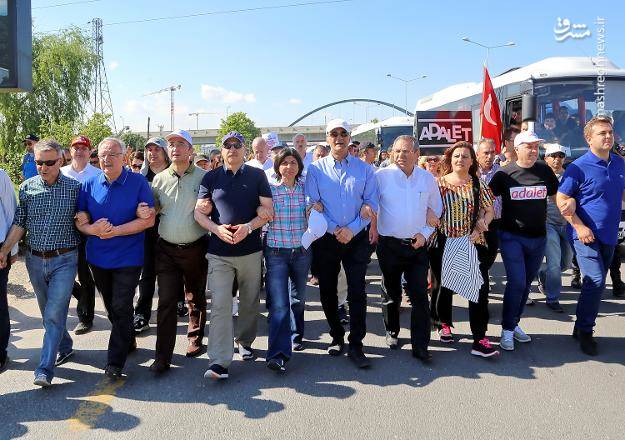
pixel 235 191
pixel 596 182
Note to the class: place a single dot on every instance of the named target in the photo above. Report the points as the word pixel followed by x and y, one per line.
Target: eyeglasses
pixel 235 145
pixel 558 155
pixel 47 163
pixel 136 167
pixel 111 155
pixel 432 159
pixel 338 133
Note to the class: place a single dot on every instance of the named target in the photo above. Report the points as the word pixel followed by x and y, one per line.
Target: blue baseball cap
pixel 233 135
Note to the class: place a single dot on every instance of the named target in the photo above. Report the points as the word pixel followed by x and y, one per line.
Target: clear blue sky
pixel 278 64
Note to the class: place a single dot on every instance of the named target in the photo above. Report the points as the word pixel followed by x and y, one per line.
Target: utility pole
pixel 101 95
pixel 171 90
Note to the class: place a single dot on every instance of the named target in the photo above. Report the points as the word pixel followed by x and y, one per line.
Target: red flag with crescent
pixel 490 116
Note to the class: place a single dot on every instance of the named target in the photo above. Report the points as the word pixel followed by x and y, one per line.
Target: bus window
pixel 512 117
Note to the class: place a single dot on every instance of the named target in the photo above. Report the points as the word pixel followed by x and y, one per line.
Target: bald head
pixel 260 149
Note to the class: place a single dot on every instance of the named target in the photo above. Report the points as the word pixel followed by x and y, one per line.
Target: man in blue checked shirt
pixel 343 184
pixel 47 206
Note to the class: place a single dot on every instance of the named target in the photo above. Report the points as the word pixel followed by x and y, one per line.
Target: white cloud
pixel 214 93
pixel 295 101
pixel 113 65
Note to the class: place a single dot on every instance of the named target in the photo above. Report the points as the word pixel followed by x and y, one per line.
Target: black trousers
pixel 441 305
pixel 615 266
pixel 492 243
pixel 355 257
pixel 175 265
pixel 396 259
pixel 117 287
pixel 84 288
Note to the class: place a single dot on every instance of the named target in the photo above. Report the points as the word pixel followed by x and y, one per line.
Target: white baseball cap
pixel 526 137
pixel 180 134
pixel 337 123
pixel 554 148
pixel 317 226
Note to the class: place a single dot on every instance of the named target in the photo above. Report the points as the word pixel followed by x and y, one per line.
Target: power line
pixel 65 4
pixel 231 11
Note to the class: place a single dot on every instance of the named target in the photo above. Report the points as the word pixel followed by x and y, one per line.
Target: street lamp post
pixel 406 81
pixel 488 48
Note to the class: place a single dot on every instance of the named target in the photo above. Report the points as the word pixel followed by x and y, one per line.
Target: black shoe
pixel 336 347
pixel 140 324
pixel 618 287
pixel 343 314
pixel 182 309
pixel 277 364
pixel 4 364
pixel 216 372
pixel 159 367
pixel 298 346
pixel 358 357
pixel 113 372
pixel 587 343
pixel 423 354
pixel 555 306
pixel 63 357
pixel 82 328
pixel 576 282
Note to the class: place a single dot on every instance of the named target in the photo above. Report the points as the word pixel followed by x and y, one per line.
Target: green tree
pixel 375 121
pixel 134 140
pixel 63 68
pixel 96 128
pixel 238 122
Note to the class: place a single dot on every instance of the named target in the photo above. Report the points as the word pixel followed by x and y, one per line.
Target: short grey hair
pixel 48 145
pixel 118 141
pixel 406 138
pixel 488 141
pixel 298 135
pixel 323 147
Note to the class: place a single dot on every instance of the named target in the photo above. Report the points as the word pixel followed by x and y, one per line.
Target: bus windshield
pixel 565 106
pixel 389 134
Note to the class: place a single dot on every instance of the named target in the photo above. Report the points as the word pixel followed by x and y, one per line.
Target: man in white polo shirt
pixel 261 159
pixel 84 289
pixel 405 194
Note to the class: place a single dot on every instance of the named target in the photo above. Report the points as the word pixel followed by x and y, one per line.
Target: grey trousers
pixel 221 273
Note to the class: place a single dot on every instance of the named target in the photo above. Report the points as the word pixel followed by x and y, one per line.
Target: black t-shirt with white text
pixel 524 193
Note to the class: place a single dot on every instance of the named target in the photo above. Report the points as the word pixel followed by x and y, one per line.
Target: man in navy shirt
pixel 596 182
pixel 235 191
pixel 120 205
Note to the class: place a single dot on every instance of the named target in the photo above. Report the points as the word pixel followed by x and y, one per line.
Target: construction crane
pixel 171 90
pixel 197 117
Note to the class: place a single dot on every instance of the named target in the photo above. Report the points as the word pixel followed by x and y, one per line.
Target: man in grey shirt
pixel 558 252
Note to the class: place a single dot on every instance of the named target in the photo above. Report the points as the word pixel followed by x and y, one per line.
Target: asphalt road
pixel 544 390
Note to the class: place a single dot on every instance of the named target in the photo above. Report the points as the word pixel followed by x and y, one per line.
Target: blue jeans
pixel 594 260
pixel 559 254
pixel 521 257
pixel 283 265
pixel 53 280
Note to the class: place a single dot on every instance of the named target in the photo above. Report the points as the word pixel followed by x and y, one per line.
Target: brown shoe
pixel 194 350
pixel 313 281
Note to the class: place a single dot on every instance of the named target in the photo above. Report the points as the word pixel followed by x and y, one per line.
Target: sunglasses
pixel 235 145
pixel 338 133
pixel 47 163
pixel 558 155
pixel 432 159
pixel 136 167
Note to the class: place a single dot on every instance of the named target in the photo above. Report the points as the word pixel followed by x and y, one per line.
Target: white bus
pixel 570 89
pixel 382 134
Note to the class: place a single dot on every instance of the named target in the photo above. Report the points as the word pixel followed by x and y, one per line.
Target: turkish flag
pixel 490 116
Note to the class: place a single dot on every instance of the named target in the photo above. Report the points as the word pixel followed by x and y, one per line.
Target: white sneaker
pixel 520 335
pixel 507 340
pixel 235 306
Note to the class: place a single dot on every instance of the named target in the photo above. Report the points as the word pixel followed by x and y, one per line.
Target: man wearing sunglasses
pixel 343 183
pixel 46 215
pixel 558 251
pixel 84 290
pixel 29 169
pixel 235 192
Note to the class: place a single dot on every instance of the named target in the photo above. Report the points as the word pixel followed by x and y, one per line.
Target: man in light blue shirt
pixel 343 184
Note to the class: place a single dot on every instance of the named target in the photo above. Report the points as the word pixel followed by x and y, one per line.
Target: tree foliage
pixel 63 68
pixel 96 128
pixel 134 140
pixel 238 122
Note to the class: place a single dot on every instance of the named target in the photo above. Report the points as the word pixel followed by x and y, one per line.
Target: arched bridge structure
pixel 375 101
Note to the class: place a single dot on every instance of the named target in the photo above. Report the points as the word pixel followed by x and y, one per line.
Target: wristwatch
pixel 249 228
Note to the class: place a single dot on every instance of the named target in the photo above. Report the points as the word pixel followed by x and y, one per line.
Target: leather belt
pixel 404 241
pixel 182 245
pixel 51 254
